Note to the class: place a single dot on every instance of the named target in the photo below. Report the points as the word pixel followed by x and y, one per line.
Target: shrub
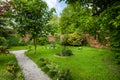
pixel 45 69
pixel 64 40
pixel 16 40
pixel 13 40
pixel 43 40
pixel 23 43
pixel 117 58
pixel 3 50
pixel 75 39
pixel 64 75
pixel 43 62
pixel 3 41
pixel 54 71
pixel 66 52
pixel 12 68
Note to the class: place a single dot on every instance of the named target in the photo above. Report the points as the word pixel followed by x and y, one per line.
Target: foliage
pixel 64 40
pixel 75 39
pixel 31 17
pixel 67 21
pixel 6 63
pixel 3 41
pixel 12 68
pixel 43 40
pixel 110 26
pixel 3 46
pixel 53 24
pixel 65 52
pixel 53 70
pixel 78 19
pixel 13 40
pixel 117 58
pixel 16 40
pixel 4 50
pixel 4 9
pixel 98 6
pixel 29 47
pixel 64 75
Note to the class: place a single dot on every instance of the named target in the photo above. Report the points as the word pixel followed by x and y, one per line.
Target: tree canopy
pixel 98 6
pixel 31 16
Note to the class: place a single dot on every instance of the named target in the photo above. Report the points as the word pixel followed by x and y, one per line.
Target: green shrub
pixel 66 52
pixel 3 41
pixel 13 40
pixel 64 75
pixel 53 70
pixel 16 40
pixel 64 40
pixel 76 39
pixel 23 43
pixel 43 40
pixel 4 50
pixel 43 62
pixel 117 58
pixel 45 69
pixel 12 68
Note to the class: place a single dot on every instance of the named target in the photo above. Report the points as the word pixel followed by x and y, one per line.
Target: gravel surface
pixel 29 68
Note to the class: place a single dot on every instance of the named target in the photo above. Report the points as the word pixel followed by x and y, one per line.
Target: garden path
pixel 29 68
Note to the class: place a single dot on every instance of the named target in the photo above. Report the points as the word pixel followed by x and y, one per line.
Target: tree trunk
pixel 35 46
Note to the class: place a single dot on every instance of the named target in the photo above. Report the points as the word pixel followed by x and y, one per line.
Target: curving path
pixel 29 68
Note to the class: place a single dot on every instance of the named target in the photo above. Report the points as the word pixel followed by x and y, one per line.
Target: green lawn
pixel 18 47
pixel 4 74
pixel 86 64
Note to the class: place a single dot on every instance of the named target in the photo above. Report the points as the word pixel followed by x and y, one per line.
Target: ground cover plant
pixel 86 64
pixel 9 69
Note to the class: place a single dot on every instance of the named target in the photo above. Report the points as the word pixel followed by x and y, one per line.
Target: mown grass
pixel 86 64
pixel 4 74
pixel 18 47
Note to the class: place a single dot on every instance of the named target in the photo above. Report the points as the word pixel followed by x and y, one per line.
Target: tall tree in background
pixel 31 17
pixel 78 19
pixel 110 25
pixel 98 5
pixel 67 21
pixel 53 24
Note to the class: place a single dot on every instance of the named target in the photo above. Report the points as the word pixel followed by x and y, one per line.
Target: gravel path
pixel 29 68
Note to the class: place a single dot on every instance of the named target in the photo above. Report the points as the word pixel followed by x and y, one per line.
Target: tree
pixel 31 17
pixel 5 11
pixel 66 20
pixel 53 24
pixel 110 25
pixel 98 6
pixel 78 19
